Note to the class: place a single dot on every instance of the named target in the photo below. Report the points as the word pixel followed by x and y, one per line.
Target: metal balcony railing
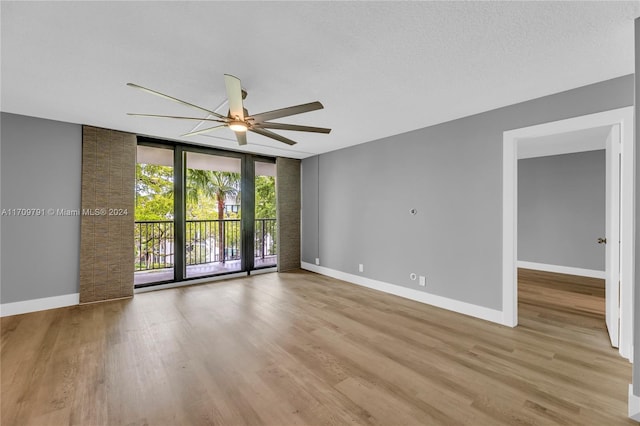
pixel 207 241
pixel 153 244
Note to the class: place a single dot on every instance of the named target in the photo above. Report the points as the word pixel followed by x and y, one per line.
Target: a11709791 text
pixel 35 212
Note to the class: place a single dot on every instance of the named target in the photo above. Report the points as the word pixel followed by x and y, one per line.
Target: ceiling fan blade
pixel 176 117
pixel 272 135
pixel 171 98
pixel 234 94
pixel 242 137
pixel 282 126
pixel 199 132
pixel 285 112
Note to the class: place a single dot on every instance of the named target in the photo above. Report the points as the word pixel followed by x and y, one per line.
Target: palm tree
pixel 213 184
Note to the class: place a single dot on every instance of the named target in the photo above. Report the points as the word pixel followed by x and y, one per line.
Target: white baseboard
pixel 34 305
pixel 409 293
pixel 634 405
pixel 592 273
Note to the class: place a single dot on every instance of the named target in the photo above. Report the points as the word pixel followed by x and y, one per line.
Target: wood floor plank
pixel 303 349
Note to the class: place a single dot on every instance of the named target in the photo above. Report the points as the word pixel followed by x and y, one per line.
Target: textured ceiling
pixel 379 68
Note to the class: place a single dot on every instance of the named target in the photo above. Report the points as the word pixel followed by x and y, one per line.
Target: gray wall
pixel 561 209
pixel 309 235
pixel 452 174
pixel 41 168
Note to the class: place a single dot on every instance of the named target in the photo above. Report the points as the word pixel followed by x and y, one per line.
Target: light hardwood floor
pixel 302 349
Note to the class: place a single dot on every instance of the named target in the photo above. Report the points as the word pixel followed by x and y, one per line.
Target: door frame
pixel 623 117
pixel 612 234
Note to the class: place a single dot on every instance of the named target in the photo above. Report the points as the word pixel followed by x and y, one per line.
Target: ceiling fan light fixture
pixel 238 118
pixel 238 126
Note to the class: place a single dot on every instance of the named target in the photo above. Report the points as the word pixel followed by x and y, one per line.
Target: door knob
pixel 602 241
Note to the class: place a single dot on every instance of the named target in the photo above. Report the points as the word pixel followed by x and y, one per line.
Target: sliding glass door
pixel 202 212
pixel 154 216
pixel 213 214
pixel 265 215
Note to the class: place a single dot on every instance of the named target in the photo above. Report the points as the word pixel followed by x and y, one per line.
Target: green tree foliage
pixel 154 202
pixel 154 192
pixel 265 197
pixel 205 186
pixel 206 194
pixel 205 208
pixel 265 209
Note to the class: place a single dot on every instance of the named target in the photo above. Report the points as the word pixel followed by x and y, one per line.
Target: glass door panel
pixel 265 215
pixel 212 214
pixel 154 216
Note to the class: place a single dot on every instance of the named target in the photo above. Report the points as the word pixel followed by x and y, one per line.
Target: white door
pixel 612 245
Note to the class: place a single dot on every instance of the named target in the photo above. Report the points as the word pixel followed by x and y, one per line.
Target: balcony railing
pixel 154 242
pixel 203 241
pixel 265 238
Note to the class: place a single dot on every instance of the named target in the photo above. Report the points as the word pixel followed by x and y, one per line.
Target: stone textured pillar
pixel 288 213
pixel 107 222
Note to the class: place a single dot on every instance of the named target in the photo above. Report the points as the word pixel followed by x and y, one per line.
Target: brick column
pixel 288 213
pixel 107 222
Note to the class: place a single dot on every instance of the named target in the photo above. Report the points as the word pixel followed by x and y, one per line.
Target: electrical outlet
pixel 317 260
pixel 423 281
pixel 361 267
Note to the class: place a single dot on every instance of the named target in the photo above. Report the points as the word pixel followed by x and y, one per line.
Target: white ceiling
pixel 379 68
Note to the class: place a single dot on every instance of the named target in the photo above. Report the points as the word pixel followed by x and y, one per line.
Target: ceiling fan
pixel 238 118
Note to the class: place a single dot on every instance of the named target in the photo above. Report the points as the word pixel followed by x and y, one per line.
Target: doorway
pixel 619 148
pixel 265 235
pixel 154 226
pixel 212 214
